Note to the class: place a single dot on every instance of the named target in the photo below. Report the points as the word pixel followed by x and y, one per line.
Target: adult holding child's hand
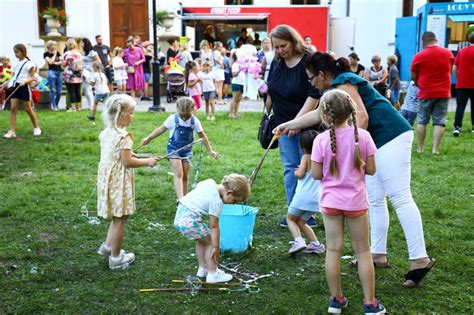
pixel 288 92
pixel 393 138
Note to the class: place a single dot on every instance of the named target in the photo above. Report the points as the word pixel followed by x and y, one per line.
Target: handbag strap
pixel 21 68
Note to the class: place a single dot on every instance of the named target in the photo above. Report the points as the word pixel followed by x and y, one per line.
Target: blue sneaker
pixel 374 309
pixel 336 306
pixel 311 222
pixel 283 222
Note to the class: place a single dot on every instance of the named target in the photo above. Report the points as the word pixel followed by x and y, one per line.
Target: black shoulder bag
pixel 265 135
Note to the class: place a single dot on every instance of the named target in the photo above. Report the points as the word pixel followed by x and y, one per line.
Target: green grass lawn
pixel 44 181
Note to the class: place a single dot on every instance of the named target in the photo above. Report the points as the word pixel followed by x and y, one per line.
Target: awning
pixel 462 18
pixel 240 16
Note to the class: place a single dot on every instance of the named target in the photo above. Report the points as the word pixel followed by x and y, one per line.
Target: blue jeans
pixel 290 156
pixel 55 81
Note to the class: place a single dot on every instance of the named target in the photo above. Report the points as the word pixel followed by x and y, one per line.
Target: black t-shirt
pixel 103 51
pixel 171 54
pixel 359 69
pixel 146 64
pixel 289 88
pixel 47 54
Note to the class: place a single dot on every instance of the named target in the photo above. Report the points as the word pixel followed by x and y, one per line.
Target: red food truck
pixel 227 22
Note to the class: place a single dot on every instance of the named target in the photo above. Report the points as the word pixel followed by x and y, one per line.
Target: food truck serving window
pixel 462 18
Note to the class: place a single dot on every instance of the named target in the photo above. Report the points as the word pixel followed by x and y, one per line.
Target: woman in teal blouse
pixel 393 137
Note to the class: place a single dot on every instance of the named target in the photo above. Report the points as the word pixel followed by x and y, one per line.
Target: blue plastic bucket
pixel 236 226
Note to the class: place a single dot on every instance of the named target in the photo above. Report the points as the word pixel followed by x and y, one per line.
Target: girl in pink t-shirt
pixel 341 158
pixel 193 82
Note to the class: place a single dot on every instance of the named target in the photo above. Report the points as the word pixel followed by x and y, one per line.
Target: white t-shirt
pixel 204 200
pixel 89 59
pixel 171 125
pixel 120 68
pixel 23 75
pixel 208 81
pixel 99 80
pixel 240 78
pixel 269 55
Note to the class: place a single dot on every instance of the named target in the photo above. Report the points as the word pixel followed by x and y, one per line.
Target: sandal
pixel 414 277
pixel 355 264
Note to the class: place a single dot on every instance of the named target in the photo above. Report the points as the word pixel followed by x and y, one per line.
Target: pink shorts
pixel 346 213
pixel 197 101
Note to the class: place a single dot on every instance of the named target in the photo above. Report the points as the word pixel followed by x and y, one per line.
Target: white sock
pixel 117 257
pixel 107 247
pixel 299 239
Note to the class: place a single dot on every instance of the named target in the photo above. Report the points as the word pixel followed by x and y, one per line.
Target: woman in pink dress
pixel 135 58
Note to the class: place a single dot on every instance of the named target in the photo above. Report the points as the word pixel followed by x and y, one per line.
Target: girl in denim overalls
pixel 182 126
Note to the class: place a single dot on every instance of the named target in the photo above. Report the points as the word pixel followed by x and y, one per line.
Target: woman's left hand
pixel 293 132
pixel 23 83
pixel 215 253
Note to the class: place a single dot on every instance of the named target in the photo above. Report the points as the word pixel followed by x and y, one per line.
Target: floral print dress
pixel 115 182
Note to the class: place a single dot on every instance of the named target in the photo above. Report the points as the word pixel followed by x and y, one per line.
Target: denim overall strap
pixel 182 135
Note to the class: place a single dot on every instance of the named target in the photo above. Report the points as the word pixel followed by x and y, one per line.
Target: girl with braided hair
pixel 341 158
pixel 115 180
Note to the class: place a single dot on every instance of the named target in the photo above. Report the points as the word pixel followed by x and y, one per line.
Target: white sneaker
pixel 10 134
pixel 218 276
pixel 213 118
pixel 104 251
pixel 37 132
pixel 202 272
pixel 122 261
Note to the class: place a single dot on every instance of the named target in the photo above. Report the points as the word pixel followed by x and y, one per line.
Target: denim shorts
pixel 147 77
pixel 101 97
pixel 395 96
pixel 237 88
pixel 409 116
pixel 436 107
pixel 209 95
pixel 190 224
pixel 302 214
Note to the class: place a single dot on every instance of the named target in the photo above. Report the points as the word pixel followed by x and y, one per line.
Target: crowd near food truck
pixel 449 21
pixel 227 22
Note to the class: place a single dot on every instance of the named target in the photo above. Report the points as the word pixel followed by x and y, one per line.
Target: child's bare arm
pixel 317 170
pixel 215 238
pixel 302 168
pixel 156 133
pixel 370 165
pixel 205 140
pixel 130 161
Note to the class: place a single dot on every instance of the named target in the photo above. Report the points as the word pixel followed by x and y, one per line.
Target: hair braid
pixel 332 134
pixel 358 162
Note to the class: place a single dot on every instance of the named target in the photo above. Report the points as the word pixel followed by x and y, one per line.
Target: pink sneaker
pixel 314 248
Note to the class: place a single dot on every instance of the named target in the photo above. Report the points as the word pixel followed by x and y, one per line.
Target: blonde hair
pixel 338 107
pixel 183 47
pixel 117 51
pixel 97 66
pixel 114 106
pixel 393 59
pixel 71 44
pixel 185 105
pixel 239 185
pixel 288 33
pixel 50 43
pixel 204 43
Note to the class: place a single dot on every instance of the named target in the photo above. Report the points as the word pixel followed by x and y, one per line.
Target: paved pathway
pixel 245 106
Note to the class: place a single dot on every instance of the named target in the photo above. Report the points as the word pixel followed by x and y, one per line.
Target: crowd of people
pixel 345 144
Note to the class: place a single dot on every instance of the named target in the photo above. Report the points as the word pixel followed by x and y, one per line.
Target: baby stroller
pixel 176 85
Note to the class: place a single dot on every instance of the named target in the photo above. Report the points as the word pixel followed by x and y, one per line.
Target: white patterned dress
pixel 115 182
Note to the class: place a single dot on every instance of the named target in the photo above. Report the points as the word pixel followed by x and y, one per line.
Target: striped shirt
pixel 411 99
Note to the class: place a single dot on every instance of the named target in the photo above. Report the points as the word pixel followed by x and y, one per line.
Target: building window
pixel 42 5
pixel 238 2
pixel 305 2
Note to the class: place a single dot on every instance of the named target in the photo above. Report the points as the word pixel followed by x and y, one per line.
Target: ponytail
pixel 332 135
pixel 324 62
pixel 358 162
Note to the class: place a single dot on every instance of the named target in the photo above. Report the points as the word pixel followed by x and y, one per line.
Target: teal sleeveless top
pixel 385 122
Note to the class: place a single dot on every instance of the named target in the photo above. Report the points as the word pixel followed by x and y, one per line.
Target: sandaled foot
pixel 415 276
pixel 420 150
pixel 378 264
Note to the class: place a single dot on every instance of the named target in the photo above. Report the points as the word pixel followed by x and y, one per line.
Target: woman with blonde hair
pixel 288 91
pixel 55 74
pixel 73 67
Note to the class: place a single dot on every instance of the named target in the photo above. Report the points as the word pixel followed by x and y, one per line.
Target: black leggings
pixel 74 90
pixel 462 96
